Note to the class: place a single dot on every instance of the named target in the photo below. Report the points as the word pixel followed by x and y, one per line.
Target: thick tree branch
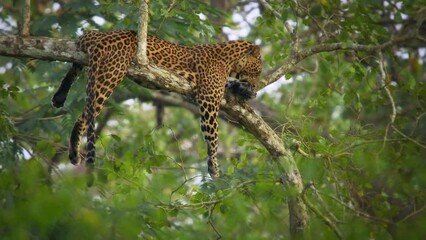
pixel 153 77
pixel 26 14
pixel 157 78
pixel 141 57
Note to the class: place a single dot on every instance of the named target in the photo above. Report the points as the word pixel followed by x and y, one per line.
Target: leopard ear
pixel 253 50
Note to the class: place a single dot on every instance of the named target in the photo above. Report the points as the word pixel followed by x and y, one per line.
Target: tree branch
pixel 287 26
pixel 319 214
pixel 141 57
pixel 382 80
pixel 26 14
pixel 297 56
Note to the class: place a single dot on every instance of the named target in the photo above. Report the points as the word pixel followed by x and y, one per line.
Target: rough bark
pixel 141 57
pixel 26 14
pixel 154 77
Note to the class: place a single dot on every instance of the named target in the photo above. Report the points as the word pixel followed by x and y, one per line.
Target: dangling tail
pixel 90 114
pixel 90 120
pixel 60 96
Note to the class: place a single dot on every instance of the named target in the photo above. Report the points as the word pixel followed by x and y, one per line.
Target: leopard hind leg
pixel 104 77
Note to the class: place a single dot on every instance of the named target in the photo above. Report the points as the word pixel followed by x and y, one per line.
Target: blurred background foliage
pixel 363 172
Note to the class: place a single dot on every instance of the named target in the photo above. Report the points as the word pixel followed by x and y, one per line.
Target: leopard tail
pixel 90 114
pixel 58 101
pixel 61 94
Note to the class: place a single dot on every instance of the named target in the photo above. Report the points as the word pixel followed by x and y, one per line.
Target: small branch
pixel 356 212
pixel 297 56
pixel 269 7
pixel 287 26
pixel 141 57
pixel 277 15
pixel 180 186
pixel 210 203
pixel 299 149
pixel 171 6
pixel 408 138
pixel 26 13
pixel 414 213
pixel 219 236
pixel 392 101
pixel 317 212
pixel 384 85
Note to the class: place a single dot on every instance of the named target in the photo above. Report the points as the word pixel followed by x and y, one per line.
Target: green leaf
pixel 116 137
pixel 288 76
pixel 230 170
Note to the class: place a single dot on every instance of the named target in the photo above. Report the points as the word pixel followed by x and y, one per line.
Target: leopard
pixel 207 67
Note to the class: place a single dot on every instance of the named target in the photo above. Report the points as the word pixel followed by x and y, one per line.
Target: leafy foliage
pixel 364 171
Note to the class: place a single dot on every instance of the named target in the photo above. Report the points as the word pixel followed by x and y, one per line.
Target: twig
pixel 353 145
pixel 141 57
pixel 322 202
pixel 358 213
pixel 407 137
pixel 326 220
pixel 417 122
pixel 269 7
pixel 315 70
pixel 276 14
pixel 287 26
pixel 219 236
pixel 392 101
pixel 385 138
pixel 180 186
pixel 384 85
pixel 414 213
pixel 181 165
pixel 210 202
pixel 299 149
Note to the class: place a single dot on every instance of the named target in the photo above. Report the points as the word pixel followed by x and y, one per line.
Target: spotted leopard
pixel 207 67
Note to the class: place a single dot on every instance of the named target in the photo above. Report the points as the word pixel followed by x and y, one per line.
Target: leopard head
pixel 249 67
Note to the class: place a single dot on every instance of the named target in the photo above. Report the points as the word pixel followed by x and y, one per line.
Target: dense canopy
pixel 343 88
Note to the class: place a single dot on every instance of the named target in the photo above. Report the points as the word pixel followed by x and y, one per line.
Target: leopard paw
pixel 243 89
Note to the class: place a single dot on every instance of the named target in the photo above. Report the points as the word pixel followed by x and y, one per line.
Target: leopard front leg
pixel 209 127
pixel 208 97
